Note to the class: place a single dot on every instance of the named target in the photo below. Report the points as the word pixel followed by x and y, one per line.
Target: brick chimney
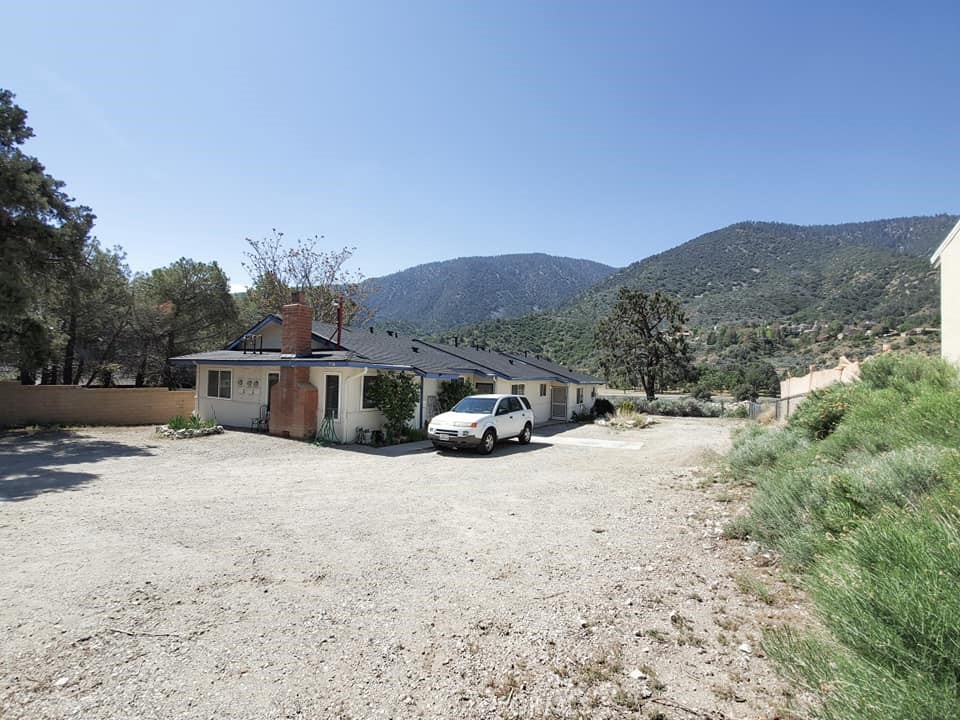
pixel 296 338
pixel 294 409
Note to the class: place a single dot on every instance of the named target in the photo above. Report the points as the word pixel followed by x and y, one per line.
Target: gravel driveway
pixel 243 576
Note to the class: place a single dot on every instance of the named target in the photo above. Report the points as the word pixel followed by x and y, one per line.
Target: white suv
pixel 478 421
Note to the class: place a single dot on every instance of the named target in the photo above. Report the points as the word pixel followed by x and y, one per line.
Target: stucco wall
pixel 950 301
pixel 248 392
pixel 70 405
pixel 350 413
pixel 795 386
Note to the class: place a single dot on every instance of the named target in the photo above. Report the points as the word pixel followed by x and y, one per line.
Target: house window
pixel 579 395
pixel 331 397
pixel 518 389
pixel 368 383
pixel 484 388
pixel 218 383
pixel 543 389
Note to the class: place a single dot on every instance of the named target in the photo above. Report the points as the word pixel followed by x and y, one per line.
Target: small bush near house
pixel 861 495
pixel 623 419
pixel 602 406
pixel 451 392
pixel 179 422
pixel 396 396
pixel 627 406
pixel 413 434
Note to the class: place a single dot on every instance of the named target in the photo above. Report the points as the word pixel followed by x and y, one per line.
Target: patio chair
pixel 262 421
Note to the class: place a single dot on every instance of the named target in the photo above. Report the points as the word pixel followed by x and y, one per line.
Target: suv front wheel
pixel 487 442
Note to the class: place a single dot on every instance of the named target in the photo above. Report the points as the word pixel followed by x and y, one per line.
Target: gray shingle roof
pixel 362 347
pixel 393 349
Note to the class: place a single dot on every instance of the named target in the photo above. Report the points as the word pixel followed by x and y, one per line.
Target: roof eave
pixel 935 259
pixel 267 320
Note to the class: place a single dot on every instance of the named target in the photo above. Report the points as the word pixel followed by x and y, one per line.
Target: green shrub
pixel 744 392
pixel 179 422
pixel 851 688
pixel 678 408
pixel 803 509
pixel 396 396
pixel 861 492
pixel 451 392
pixel 701 392
pixel 820 413
pixel 890 593
pixel 903 373
pixel 740 411
pixel 757 447
pixel 888 599
pixel 627 406
pixel 414 434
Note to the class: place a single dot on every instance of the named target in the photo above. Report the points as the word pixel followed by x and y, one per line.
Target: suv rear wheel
pixel 524 437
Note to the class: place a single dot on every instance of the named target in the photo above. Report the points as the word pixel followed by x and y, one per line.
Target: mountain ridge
pixel 755 273
pixel 438 295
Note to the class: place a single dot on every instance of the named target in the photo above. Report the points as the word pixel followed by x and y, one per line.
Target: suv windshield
pixel 474 405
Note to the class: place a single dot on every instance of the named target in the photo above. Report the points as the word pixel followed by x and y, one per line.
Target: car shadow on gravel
pixel 32 464
pixel 505 447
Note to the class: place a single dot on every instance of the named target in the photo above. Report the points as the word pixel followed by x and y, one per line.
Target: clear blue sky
pixel 420 131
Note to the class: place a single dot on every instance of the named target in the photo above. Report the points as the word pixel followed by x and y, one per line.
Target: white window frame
pixel 518 389
pixel 336 416
pixel 363 392
pixel 219 383
pixel 543 389
pixel 579 396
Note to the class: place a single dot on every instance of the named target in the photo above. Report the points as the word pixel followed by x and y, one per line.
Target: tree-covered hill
pixel 441 295
pixel 756 271
pixel 757 274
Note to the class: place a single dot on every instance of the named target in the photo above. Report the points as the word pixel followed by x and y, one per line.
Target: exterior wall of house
pixel 350 412
pixel 431 386
pixel 540 403
pixel 248 391
pixel 950 302
pixel 249 388
pixel 272 334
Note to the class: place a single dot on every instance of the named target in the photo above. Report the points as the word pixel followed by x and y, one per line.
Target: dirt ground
pixel 244 576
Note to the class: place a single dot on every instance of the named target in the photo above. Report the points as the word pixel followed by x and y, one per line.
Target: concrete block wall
pixel 70 405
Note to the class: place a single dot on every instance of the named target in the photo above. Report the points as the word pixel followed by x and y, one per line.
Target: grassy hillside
pixel 860 494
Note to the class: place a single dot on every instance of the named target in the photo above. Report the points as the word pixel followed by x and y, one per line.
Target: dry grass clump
pixel 627 418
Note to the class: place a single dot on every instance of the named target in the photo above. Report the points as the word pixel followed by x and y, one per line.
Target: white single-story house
pixel 947 258
pixel 298 373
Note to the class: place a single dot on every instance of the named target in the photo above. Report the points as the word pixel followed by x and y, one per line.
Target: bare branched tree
pixel 278 268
